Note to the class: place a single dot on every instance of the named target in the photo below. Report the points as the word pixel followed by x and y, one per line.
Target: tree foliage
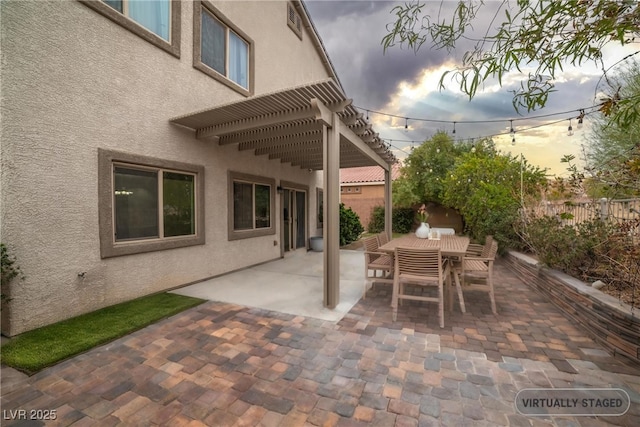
pixel 545 35
pixel 613 151
pixel 487 188
pixel 483 184
pixel 425 170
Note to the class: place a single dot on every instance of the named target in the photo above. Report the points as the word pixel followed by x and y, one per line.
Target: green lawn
pixel 37 349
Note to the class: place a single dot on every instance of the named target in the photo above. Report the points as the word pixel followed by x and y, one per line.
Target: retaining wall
pixel 610 322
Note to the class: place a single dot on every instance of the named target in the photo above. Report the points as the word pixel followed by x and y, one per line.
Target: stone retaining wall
pixel 610 322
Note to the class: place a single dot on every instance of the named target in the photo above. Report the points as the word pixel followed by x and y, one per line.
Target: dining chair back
pixel 422 267
pixel 374 262
pixel 477 272
pixel 383 238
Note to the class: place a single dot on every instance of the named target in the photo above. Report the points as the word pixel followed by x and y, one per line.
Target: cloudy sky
pixel 404 83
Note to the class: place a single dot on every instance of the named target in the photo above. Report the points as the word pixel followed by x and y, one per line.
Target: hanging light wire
pixel 418 119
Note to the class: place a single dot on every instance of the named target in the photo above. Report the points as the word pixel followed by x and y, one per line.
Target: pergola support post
pixel 331 229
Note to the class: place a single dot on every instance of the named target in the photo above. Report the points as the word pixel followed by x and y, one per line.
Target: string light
pixel 406 124
pixel 418 119
pixel 454 128
pixel 580 119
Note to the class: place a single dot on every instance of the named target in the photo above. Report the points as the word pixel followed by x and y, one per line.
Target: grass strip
pixel 39 348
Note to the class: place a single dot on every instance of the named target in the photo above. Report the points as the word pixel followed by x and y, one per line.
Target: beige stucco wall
pixel 73 81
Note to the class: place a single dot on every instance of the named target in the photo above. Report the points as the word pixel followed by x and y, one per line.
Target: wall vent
pixel 294 21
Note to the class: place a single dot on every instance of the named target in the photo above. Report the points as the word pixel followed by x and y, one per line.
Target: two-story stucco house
pixel 151 144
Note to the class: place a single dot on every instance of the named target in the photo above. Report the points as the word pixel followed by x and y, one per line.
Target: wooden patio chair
pixel 382 238
pixel 423 267
pixel 374 262
pixel 476 250
pixel 477 272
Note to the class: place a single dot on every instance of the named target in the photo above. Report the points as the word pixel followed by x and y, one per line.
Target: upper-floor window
pixel 154 15
pixel 221 50
pixel 156 21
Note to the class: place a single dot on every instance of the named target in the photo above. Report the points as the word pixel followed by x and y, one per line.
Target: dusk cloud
pixel 405 83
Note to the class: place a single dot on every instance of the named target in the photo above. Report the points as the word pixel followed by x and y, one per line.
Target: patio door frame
pixel 292 189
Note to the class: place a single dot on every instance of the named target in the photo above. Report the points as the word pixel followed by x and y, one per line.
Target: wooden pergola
pixel 313 127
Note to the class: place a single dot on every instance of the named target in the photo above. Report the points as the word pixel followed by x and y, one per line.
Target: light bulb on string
pixel 454 128
pixel 367 115
pixel 512 131
pixel 570 129
pixel 406 124
pixel 580 119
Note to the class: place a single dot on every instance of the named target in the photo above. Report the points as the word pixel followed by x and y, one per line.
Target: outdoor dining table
pixel 451 247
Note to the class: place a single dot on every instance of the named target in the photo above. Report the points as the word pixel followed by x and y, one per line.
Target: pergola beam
pixel 360 145
pixel 283 145
pixel 246 139
pixel 316 110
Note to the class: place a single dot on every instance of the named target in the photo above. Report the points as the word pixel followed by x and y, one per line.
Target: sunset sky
pixel 403 83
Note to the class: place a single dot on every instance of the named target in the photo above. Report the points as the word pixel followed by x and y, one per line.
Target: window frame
pixel 198 5
pixel 319 207
pixel 109 247
pixel 233 234
pixel 172 46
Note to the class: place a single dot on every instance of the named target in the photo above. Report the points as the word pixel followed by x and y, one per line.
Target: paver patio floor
pixel 221 364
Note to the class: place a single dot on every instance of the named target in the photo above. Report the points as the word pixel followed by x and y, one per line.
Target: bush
pixel 492 210
pixel 376 223
pixel 350 226
pixel 591 250
pixel 10 270
pixel 401 221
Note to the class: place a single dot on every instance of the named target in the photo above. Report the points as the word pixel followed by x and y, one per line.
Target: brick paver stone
pixel 222 364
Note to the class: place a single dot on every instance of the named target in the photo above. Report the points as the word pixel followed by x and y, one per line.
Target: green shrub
pixel 401 221
pixel 592 250
pixel 10 270
pixel 350 226
pixel 492 210
pixel 376 223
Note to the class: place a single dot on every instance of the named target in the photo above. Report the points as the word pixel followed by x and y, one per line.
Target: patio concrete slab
pixel 292 285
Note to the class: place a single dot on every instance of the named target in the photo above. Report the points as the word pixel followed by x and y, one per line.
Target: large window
pixel 221 50
pixel 148 204
pixel 251 205
pixel 157 21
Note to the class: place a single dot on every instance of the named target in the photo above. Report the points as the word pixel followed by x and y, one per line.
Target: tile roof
pixel 367 174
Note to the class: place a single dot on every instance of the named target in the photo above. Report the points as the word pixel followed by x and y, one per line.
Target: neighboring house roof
pixel 367 174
